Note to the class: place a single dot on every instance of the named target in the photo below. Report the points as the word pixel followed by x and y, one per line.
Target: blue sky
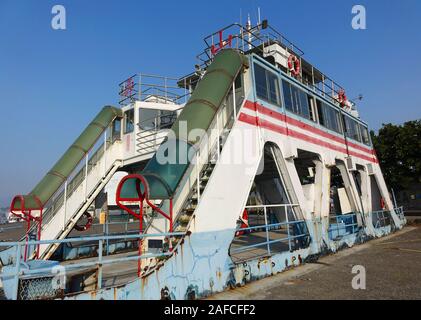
pixel 52 83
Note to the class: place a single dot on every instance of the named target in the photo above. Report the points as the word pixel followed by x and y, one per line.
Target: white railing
pixel 381 218
pixel 14 274
pixel 343 225
pixel 208 149
pixel 147 87
pixel 72 208
pixel 299 233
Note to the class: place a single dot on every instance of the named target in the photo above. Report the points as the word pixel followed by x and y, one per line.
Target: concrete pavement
pixel 392 264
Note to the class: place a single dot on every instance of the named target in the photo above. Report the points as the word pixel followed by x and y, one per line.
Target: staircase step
pixel 192 202
pixel 189 211
pixel 180 229
pixel 184 219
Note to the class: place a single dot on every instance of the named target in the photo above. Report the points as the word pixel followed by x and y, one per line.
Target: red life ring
pixel 244 223
pixel 294 65
pixel 88 224
pixel 382 203
pixel 342 99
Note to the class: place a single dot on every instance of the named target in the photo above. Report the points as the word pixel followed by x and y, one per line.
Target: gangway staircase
pixel 65 194
pixel 187 197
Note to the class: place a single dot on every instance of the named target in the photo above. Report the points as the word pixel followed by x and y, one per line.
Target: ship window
pixel 296 100
pixel 329 117
pixel 129 121
pixel 267 86
pixel 148 119
pixel 116 130
pixel 153 119
pixel 364 134
pixel 310 100
pixel 352 129
pixel 167 119
pixel 320 112
pixel 287 95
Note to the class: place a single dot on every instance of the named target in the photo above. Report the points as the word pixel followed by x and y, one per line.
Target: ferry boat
pixel 254 163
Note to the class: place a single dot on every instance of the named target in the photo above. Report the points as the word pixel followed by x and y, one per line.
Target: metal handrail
pixel 135 88
pixel 267 227
pixel 80 174
pixel 381 218
pixel 400 213
pixel 57 199
pixel 257 38
pixel 355 226
pixel 19 274
pixel 268 242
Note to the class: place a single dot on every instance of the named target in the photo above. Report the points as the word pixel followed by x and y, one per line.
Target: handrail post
pixel 218 146
pixel 85 183
pixel 105 152
pixel 185 90
pixel 107 231
pixel 100 247
pixel 140 87
pixel 288 231
pixel 17 271
pixel 267 229
pixel 234 101
pixel 65 205
pixel 165 85
pixel 198 175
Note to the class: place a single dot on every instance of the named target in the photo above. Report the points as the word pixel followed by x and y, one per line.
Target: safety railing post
pixel 198 175
pixel 267 230
pixel 337 226
pixel 333 89
pixel 17 271
pixel 85 182
pixel 185 90
pixel 218 146
pixel 140 87
pixel 165 86
pixel 65 205
pixel 234 101
pixel 100 248
pixel 105 153
pixel 288 231
pixel 107 231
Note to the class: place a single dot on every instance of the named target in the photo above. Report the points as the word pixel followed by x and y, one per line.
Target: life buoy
pixel 88 224
pixel 294 65
pixel 244 223
pixel 342 98
pixel 382 203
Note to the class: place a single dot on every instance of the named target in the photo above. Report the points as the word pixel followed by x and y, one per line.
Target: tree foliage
pixel 399 151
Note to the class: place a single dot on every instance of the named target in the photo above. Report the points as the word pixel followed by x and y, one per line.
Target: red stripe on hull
pixel 298 135
pixel 288 120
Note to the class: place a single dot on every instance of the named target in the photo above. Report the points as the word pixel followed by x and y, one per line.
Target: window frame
pixel 269 75
pixel 126 117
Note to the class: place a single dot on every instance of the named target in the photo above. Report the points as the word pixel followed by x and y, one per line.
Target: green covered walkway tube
pixel 52 181
pixel 163 179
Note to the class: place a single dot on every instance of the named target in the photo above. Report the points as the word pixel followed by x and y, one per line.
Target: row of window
pixel 307 106
pixel 149 119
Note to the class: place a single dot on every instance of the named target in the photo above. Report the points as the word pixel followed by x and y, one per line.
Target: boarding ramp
pixel 56 204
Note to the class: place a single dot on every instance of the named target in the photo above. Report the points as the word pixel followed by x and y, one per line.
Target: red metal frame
pixel 26 215
pixel 215 50
pixel 140 180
